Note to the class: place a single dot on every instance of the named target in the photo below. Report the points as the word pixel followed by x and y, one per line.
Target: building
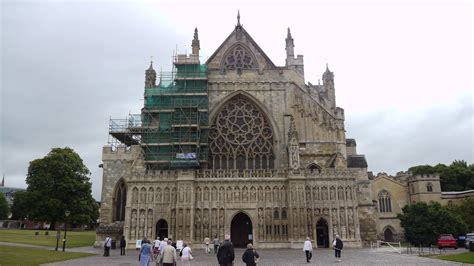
pixel 239 145
pixel 392 193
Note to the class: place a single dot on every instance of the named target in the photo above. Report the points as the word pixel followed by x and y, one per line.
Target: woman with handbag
pixel 186 255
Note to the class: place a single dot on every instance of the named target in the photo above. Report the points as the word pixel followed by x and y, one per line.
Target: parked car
pixel 447 240
pixel 469 237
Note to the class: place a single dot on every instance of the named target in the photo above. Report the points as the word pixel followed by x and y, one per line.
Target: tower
pixel 328 83
pixel 292 62
pixel 150 77
pixel 195 43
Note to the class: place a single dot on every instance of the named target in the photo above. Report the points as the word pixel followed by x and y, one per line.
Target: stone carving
pixel 214 194
pixel 143 195
pixel 293 146
pixel 198 194
pixel 245 194
pixel 206 194
pixel 348 193
pixel 333 193
pixel 167 195
pixel 229 194
pixel 253 194
pixel 149 223
pixel 135 195
pixel 324 193
pixel 151 195
pixel 240 137
pixel 133 227
pixel 239 58
pixel 173 195
pixel 236 194
pixel 340 193
pixel 158 195
pixel 221 194
pixel 141 230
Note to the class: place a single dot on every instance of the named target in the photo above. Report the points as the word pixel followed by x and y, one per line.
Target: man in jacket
pixel 250 256
pixel 337 245
pixel 107 245
pixel 168 257
pixel 308 249
pixel 225 255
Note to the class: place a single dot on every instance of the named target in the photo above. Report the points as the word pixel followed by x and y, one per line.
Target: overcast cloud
pixel 403 71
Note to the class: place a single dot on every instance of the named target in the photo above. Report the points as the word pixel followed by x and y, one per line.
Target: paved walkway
pixel 275 257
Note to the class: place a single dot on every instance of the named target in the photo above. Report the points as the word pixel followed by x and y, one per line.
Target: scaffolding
pixel 173 126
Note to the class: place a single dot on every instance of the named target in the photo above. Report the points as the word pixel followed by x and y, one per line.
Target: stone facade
pixel 283 172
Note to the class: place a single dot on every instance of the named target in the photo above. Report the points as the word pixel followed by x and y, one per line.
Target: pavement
pixel 273 257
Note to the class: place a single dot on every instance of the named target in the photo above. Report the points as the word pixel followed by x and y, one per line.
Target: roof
pixel 356 161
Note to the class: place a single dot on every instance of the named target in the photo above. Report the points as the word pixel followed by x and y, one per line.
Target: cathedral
pixel 236 145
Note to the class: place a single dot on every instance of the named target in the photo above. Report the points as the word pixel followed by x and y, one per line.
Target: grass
pixel 32 256
pixel 74 239
pixel 467 257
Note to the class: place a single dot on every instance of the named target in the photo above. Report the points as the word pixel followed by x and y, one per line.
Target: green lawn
pixel 32 256
pixel 467 257
pixel 74 239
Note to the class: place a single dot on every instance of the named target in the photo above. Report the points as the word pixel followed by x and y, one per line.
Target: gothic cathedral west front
pixel 239 146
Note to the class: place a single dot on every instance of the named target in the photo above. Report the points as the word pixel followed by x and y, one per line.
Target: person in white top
pixel 186 255
pixel 308 249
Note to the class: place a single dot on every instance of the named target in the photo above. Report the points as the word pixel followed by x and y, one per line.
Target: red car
pixel 447 240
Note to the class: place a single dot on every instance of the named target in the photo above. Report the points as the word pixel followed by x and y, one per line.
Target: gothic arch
pixel 239 57
pixel 313 168
pixel 241 135
pixel 388 233
pixel 119 200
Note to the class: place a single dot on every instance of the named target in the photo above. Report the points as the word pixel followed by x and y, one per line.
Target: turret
pixel 292 62
pixel 195 43
pixel 150 77
pixel 328 83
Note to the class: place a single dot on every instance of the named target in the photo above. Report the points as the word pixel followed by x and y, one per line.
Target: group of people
pixel 163 252
pixel 337 245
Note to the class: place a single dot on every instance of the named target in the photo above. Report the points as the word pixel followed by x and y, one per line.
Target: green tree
pixel 4 210
pixel 423 222
pixel 59 182
pixel 466 211
pixel 19 206
pixel 458 176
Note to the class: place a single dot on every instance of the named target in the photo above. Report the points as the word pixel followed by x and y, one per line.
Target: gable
pixel 239 51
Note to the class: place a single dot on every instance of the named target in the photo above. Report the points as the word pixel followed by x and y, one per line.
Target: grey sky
pixel 403 71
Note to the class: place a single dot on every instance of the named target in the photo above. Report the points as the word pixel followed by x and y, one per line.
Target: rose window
pixel 240 137
pixel 239 58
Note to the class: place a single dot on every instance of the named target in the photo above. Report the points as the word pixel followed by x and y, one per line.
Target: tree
pixel 466 211
pixel 4 210
pixel 19 206
pixel 458 176
pixel 56 183
pixel 423 222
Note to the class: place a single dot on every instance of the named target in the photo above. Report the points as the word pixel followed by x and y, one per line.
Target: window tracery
pixel 239 58
pixel 385 203
pixel 241 137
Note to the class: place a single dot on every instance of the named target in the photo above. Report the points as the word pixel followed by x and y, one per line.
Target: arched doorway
pixel 162 229
pixel 388 235
pixel 322 233
pixel 241 230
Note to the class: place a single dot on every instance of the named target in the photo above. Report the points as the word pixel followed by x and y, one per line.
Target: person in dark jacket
pixel 250 256
pixel 225 254
pixel 337 245
pixel 123 244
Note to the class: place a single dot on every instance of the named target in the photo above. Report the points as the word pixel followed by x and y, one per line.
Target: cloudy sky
pixel 403 70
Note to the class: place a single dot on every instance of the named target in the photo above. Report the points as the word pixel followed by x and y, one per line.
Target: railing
pixel 261 173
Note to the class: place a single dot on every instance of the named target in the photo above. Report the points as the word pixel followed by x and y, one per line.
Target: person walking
pixel 186 255
pixel 225 254
pixel 146 253
pixel 337 245
pixel 107 245
pixel 207 241
pixel 123 244
pixel 250 256
pixel 159 257
pixel 216 243
pixel 168 256
pixel 308 249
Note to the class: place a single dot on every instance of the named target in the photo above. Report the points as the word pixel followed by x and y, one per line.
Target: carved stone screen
pixel 240 137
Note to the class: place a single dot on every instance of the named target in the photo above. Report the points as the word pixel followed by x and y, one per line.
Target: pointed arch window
pixel 385 202
pixel 120 201
pixel 429 187
pixel 240 137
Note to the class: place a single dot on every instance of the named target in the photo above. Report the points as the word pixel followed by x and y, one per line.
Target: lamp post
pixel 66 213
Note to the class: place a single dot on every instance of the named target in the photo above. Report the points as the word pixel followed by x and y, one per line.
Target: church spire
pixel 290 50
pixel 238 18
pixel 195 44
pixel 150 76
